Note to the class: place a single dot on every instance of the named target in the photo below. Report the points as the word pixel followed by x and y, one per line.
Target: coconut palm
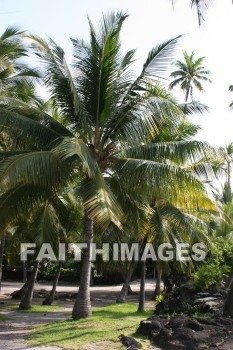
pixel 110 117
pixel 189 75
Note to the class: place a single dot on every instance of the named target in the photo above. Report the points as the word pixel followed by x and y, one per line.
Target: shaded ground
pixel 14 330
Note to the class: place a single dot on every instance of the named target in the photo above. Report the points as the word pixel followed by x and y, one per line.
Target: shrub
pixel 210 274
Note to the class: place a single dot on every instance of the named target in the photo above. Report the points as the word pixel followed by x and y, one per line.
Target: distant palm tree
pixel 189 74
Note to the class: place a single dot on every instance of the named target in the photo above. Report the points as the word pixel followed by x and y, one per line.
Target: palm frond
pixel 201 7
pixel 100 203
pixel 18 203
pixel 159 58
pixel 35 113
pixel 26 133
pixel 45 225
pixel 157 62
pixel 58 78
pixel 70 147
pixel 11 32
pixel 182 152
pixel 43 169
pixel 139 120
pixel 159 181
pixel 194 107
pixel 101 68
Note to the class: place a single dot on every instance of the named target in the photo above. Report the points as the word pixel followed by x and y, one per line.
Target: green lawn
pixel 104 327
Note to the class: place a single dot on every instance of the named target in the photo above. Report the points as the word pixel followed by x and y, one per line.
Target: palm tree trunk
pixel 158 281
pixel 91 280
pixel 228 305
pixel 141 305
pixel 157 290
pixel 124 273
pixel 26 300
pixel 20 293
pixel 51 297
pixel 187 94
pixel 124 290
pixel 82 306
pixel 130 291
pixel 24 271
pixel 1 258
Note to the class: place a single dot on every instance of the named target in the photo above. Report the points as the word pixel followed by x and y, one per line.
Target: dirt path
pixel 14 330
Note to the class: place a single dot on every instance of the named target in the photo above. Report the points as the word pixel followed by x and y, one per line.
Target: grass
pixel 105 326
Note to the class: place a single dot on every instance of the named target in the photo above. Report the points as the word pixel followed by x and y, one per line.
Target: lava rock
pixel 183 334
pixel 148 327
pixel 130 343
pixel 194 325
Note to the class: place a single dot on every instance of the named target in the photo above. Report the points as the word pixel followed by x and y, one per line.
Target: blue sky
pixel 149 23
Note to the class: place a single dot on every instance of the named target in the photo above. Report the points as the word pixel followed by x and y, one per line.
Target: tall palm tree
pixel 189 75
pixel 104 151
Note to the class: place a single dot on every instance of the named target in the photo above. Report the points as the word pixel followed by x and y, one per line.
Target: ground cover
pixel 103 328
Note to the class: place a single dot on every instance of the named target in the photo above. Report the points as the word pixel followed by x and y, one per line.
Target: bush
pixel 158 300
pixel 210 274
pixel 217 266
pixel 70 272
pixel 70 275
pixel 47 270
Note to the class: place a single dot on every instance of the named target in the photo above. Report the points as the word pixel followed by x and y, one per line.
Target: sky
pixel 150 22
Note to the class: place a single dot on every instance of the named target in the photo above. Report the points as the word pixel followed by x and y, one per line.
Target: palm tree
pixel 103 152
pixel 189 74
pixel 16 80
pixel 16 77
